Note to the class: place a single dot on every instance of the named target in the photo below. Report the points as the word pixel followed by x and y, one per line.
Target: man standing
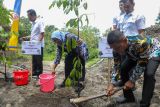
pixel 117 18
pixel 131 24
pixel 37 34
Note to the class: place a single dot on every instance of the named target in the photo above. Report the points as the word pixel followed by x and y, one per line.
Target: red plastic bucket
pixel 21 77
pixel 46 82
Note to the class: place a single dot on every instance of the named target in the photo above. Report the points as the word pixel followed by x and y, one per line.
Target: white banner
pixel 31 48
pixel 104 48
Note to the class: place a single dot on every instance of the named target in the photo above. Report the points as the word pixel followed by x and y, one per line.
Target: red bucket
pixel 21 77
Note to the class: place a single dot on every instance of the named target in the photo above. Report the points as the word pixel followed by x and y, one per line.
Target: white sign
pixel 31 48
pixel 104 48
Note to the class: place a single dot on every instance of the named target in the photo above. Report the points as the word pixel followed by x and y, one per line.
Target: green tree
pixel 24 27
pixel 70 6
pixel 158 19
pixel 106 32
pixel 49 49
pixel 4 25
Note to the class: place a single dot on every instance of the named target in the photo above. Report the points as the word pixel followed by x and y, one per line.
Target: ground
pixel 96 82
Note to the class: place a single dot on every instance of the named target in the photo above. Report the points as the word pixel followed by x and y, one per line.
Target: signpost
pixel 106 52
pixel 31 48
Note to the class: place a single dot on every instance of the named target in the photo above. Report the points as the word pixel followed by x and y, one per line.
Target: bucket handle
pixel 45 82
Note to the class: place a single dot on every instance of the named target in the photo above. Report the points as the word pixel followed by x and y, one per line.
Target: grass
pixel 92 62
pixel 48 57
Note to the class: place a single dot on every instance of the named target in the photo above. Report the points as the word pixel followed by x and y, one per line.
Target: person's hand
pixel 52 66
pixel 22 38
pixel 53 72
pixel 79 42
pixel 110 90
pixel 129 85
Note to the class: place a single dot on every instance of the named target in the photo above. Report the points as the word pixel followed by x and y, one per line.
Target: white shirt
pixel 130 23
pixel 36 29
pixel 116 20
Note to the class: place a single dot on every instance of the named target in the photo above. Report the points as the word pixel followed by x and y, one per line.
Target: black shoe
pixel 123 100
pixel 142 104
pixel 80 87
pixel 34 74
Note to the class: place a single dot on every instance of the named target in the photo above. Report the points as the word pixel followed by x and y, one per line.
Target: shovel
pixel 83 99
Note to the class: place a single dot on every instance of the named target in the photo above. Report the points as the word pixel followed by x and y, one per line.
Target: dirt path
pixel 96 81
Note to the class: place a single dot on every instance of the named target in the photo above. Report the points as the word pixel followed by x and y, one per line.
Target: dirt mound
pixel 59 98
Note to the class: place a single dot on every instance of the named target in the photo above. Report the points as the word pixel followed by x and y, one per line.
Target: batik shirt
pixel 138 52
pixel 154 51
pixel 129 24
pixel 83 50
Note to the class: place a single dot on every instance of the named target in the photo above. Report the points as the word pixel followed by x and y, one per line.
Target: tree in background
pixel 50 48
pixel 158 19
pixel 106 32
pixel 24 27
pixel 4 26
pixel 89 35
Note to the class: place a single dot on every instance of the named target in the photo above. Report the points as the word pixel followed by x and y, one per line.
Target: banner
pixel 104 49
pixel 31 48
pixel 13 41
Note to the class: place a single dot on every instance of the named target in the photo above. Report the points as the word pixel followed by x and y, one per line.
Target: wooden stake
pixel 109 73
pixel 31 72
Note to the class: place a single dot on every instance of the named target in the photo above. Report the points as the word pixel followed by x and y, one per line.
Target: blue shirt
pixel 130 23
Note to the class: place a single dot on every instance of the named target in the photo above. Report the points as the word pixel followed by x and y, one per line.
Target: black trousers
pixel 69 65
pixel 149 82
pixel 120 59
pixel 37 63
pixel 126 70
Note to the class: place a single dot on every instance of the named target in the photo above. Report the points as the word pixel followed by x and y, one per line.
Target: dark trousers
pixel 69 66
pixel 149 82
pixel 117 59
pixel 37 64
pixel 126 69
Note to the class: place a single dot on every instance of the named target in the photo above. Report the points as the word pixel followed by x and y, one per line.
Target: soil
pixel 96 82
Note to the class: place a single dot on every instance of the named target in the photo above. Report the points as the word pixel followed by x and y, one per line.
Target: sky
pixel 101 12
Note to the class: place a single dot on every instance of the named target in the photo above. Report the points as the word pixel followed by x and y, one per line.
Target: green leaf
pixel 59 3
pixel 87 20
pixel 74 60
pixel 66 11
pixel 76 11
pixel 68 45
pixel 72 74
pixel 76 3
pixel 65 3
pixel 68 82
pixel 85 6
pixel 52 5
pixel 71 22
pixel 74 43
